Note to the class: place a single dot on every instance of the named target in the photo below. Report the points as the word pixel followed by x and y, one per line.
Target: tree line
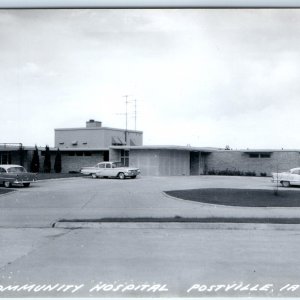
pixel 35 161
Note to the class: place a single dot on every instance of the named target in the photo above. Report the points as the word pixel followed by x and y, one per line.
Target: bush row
pixel 228 172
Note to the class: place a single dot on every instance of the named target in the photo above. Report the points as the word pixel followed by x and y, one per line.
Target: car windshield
pixel 16 170
pixel 117 165
pixel 295 171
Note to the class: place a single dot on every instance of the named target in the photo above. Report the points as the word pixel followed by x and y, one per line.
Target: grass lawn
pixel 239 197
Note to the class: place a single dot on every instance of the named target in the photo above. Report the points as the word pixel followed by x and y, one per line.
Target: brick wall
pixel 74 163
pixel 239 161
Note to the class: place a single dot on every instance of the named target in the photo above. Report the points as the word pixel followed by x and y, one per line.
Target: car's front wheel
pixel 94 176
pixel 27 184
pixel 285 183
pixel 7 184
pixel 121 176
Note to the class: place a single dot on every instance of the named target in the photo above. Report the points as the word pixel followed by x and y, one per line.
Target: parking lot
pixel 33 251
pixel 80 198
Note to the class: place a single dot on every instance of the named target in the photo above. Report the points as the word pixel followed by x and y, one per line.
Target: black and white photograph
pixel 149 152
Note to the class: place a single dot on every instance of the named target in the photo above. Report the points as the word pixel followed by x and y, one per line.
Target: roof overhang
pixel 165 147
pixel 257 151
pixel 83 149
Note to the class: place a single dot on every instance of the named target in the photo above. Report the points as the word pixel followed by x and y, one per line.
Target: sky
pixel 200 77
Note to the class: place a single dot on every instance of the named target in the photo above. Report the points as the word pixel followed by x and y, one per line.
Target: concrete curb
pixel 175 225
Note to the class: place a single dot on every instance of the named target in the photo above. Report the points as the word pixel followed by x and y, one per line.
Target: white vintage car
pixel 110 169
pixel 291 177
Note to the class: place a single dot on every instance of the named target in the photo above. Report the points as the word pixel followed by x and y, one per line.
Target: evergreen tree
pixel 21 153
pixel 35 162
pixel 47 160
pixel 57 163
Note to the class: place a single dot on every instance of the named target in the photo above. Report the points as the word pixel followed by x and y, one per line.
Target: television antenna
pixel 134 114
pixel 126 115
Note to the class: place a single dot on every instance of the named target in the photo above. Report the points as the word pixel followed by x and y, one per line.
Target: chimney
pixel 92 124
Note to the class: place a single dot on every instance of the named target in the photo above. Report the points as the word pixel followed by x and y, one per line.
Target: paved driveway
pixel 48 201
pixel 35 255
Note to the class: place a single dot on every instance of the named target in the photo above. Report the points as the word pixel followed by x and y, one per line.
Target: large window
pixel 5 158
pixel 254 155
pixel 125 157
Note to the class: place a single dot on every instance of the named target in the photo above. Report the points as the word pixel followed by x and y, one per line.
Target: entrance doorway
pixel 194 163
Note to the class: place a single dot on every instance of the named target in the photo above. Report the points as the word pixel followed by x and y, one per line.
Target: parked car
pixel 291 177
pixel 110 169
pixel 16 175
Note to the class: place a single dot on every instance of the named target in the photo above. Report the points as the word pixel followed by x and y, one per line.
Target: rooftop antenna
pixel 126 116
pixel 134 114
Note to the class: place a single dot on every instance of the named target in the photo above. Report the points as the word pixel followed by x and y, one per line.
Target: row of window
pixel 74 143
pixel 79 153
pixel 73 153
pixel 259 155
pixel 115 141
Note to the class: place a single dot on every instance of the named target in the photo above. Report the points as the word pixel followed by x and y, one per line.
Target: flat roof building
pixel 95 136
pixel 89 145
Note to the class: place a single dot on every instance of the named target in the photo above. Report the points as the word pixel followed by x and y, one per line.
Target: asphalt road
pixel 38 260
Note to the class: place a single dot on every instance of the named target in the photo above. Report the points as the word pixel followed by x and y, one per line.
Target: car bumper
pixel 23 181
pixel 129 174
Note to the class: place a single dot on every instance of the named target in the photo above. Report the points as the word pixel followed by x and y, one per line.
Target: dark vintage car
pixel 17 175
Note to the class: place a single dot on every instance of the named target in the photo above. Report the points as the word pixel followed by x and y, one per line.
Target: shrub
pixel 250 173
pixel 228 172
pixel 263 174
